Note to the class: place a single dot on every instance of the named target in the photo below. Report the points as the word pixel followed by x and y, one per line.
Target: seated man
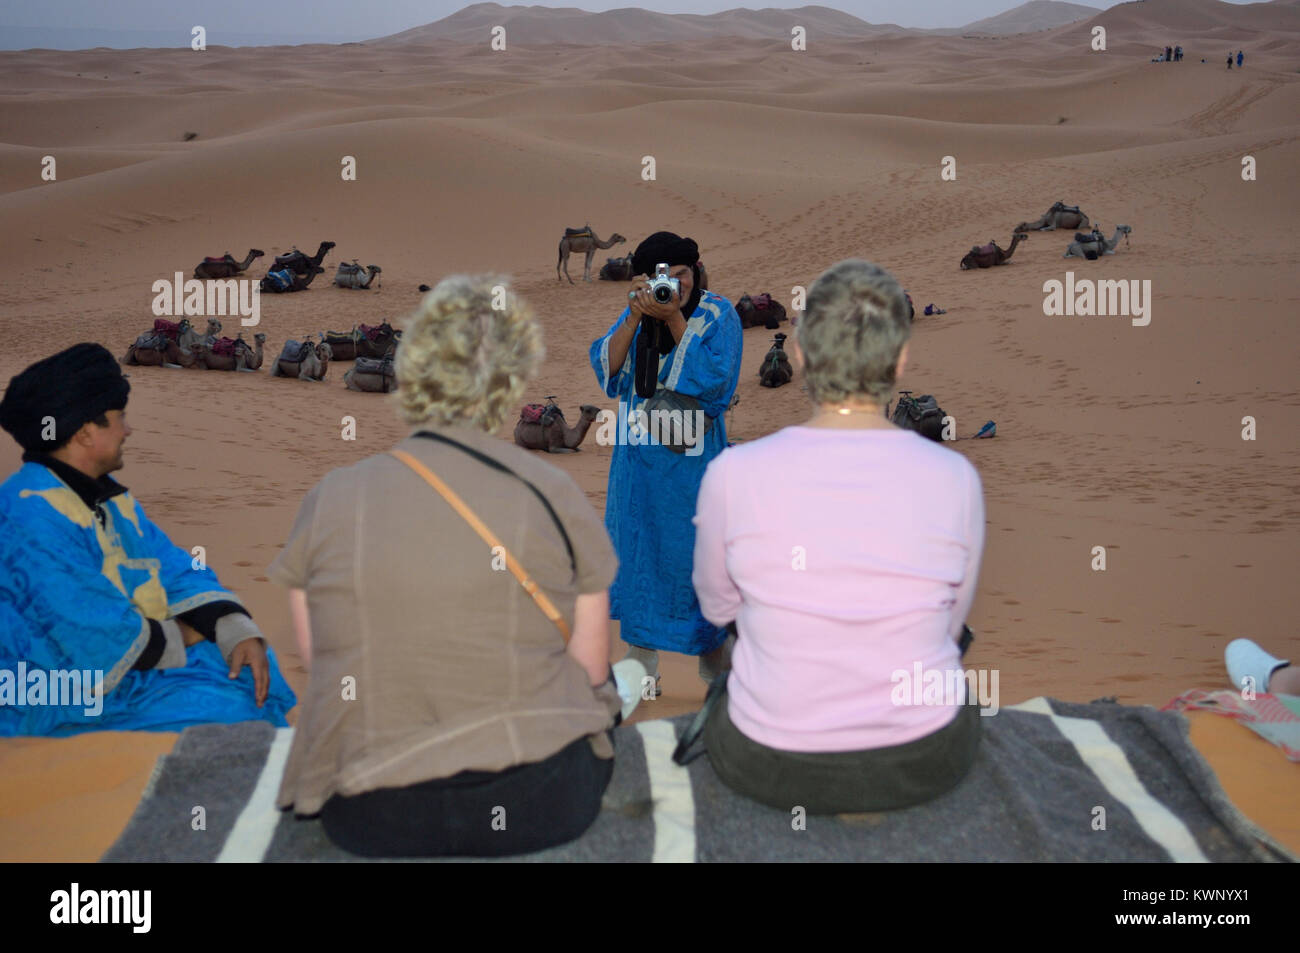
pixel 104 622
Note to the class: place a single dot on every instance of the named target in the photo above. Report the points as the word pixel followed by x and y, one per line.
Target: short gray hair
pixel 852 331
pixel 463 361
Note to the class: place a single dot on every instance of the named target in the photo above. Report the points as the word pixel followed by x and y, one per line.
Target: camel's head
pixel 256 252
pixel 374 269
pixel 968 262
pixel 1124 228
pixel 324 351
pixel 214 326
pixel 1023 236
pixel 616 238
pixel 260 337
pixel 327 245
pixel 589 411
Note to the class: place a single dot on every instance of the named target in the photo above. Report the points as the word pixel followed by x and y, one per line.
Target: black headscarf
pixel 72 387
pixel 655 340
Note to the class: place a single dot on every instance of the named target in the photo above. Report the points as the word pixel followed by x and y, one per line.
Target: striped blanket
pixel 1052 782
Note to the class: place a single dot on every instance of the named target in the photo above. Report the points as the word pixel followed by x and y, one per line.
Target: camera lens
pixel 663 294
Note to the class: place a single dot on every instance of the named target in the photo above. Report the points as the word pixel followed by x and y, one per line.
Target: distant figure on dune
pixel 1169 54
pixel 1178 54
pixel 1240 58
pixel 813 712
pixel 1229 61
pixel 479 722
pixel 90 587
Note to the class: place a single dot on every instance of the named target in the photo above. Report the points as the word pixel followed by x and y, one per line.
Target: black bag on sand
pixel 922 414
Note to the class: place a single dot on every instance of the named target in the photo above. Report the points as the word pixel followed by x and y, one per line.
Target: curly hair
pixel 852 331
pixel 466 354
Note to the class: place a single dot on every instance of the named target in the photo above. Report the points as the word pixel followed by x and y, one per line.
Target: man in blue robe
pixel 679 355
pixel 105 624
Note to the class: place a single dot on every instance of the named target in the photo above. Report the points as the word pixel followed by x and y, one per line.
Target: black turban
pixel 73 387
pixel 661 248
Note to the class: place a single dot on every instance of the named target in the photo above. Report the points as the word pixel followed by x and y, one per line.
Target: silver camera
pixel 662 287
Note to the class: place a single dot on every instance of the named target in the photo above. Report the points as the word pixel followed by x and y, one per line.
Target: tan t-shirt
pixel 428 658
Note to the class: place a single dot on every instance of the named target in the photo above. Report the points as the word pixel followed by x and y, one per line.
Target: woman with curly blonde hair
pixel 450 710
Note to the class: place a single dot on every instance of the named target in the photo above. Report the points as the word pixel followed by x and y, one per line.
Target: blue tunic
pixel 652 490
pixel 76 597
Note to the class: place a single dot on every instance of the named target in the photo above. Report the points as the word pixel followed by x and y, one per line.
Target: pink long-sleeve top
pixel 845 557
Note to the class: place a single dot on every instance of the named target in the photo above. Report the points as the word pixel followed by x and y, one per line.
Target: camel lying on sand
pixel 300 263
pixel 776 369
pixel 986 256
pixel 303 360
pixel 372 375
pixel 544 428
pixel 284 280
pixel 353 275
pixel 226 266
pixel 759 310
pixel 231 355
pixel 1093 247
pixel 170 345
pixel 1059 215
pixel 582 240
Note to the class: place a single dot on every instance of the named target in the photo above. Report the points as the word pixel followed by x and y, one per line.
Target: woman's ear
pixel 901 367
pixel 795 350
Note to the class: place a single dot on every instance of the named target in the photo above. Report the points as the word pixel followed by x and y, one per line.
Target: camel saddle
pixel 280 279
pixel 226 346
pixel 151 341
pixel 543 414
pixel 990 249
pixel 1088 237
pixel 289 257
pixel 342 337
pixel 375 365
pixel 294 351
pixel 170 329
pixel 574 232
pixel 1062 207
pixel 377 331
pixel 209 260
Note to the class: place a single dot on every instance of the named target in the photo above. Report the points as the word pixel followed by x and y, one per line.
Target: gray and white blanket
pixel 1052 782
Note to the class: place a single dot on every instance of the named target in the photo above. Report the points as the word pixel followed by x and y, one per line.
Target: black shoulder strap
pixel 498 465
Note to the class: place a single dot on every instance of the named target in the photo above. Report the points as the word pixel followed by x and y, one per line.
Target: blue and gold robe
pixel 77 592
pixel 652 490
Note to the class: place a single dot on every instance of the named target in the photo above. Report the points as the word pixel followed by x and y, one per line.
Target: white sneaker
pixel 1245 660
pixel 629 676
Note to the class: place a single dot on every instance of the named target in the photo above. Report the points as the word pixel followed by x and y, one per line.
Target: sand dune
pixel 779 164
pixel 1032 16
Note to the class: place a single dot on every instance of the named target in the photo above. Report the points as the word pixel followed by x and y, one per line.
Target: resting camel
pixel 372 375
pixel 1088 246
pixel 352 275
pixel 303 360
pixel 551 432
pixel 300 263
pixel 228 355
pixel 582 240
pixel 169 345
pixel 776 369
pixel 986 256
pixel 761 309
pixel 226 266
pixel 284 281
pixel 1059 215
pixel 616 269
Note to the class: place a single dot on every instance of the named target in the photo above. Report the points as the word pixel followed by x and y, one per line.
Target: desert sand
pixel 779 163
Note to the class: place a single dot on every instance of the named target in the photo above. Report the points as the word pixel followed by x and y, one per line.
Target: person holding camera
pixel 672 359
pixel 853 589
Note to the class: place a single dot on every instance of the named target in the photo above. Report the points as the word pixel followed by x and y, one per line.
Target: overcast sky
pixel 127 22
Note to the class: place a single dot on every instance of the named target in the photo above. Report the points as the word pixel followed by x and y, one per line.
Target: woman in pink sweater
pixel 846 551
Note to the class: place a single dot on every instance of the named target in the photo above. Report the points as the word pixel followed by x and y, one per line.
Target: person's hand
pixel 252 652
pixel 641 301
